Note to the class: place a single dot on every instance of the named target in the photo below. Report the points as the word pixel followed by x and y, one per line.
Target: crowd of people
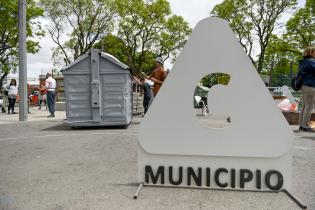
pixel 157 77
pixel 47 94
pixel 306 68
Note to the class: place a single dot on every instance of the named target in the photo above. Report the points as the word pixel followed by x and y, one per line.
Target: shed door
pixel 115 97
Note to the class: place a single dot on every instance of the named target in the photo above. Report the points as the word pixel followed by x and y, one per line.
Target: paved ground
pixel 46 165
pixel 34 115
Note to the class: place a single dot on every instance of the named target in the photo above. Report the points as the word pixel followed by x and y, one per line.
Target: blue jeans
pixel 51 101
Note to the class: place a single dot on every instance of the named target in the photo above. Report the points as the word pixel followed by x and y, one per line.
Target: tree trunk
pixel 271 74
pixel 261 61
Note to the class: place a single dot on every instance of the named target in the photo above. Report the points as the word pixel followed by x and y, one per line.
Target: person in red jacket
pixel 158 75
pixel 42 96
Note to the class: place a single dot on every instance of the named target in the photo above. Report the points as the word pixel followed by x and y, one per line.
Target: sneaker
pixel 51 115
pixel 13 112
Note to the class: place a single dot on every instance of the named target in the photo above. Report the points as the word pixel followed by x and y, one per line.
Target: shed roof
pixel 114 60
pixel 107 56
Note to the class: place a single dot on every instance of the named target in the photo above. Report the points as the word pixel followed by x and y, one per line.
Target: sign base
pixel 232 173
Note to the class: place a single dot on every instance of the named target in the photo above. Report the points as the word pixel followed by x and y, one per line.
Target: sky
pixel 191 10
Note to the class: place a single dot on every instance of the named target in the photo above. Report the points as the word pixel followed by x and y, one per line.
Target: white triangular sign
pixel 258 128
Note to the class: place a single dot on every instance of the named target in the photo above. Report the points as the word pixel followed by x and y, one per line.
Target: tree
pixel 174 37
pixel 283 51
pixel 9 34
pixel 84 21
pixel 253 20
pixel 114 46
pixel 279 65
pixel 148 29
pixel 301 28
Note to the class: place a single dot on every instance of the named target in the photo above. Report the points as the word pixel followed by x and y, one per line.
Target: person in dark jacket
pixel 307 68
pixel 147 95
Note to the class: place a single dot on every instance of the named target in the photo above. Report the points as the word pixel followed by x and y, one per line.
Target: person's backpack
pixel 297 81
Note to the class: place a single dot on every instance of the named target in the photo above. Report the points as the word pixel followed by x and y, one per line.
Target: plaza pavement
pixel 34 115
pixel 46 165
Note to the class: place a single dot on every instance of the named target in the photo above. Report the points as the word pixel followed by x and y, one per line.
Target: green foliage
pixel 285 50
pixel 145 29
pixel 147 62
pixel 301 29
pixel 311 5
pixel 173 38
pixel 214 79
pixel 114 46
pixel 85 21
pixel 148 29
pixel 9 33
pixel 253 21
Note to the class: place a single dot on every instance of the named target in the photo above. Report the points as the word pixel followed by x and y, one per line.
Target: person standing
pixel 12 90
pixel 147 95
pixel 158 75
pixel 50 85
pixel 42 96
pixel 307 68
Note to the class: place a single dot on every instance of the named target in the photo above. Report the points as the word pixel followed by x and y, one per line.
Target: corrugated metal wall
pixel 115 93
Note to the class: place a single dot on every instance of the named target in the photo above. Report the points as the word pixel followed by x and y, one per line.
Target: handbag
pixel 297 81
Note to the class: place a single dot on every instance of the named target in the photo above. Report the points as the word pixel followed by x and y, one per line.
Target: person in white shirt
pixel 50 84
pixel 12 91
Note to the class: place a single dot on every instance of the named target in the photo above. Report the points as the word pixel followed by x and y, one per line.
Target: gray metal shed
pixel 98 91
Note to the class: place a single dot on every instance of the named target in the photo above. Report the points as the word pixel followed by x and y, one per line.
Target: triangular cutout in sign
pixel 175 149
pixel 258 127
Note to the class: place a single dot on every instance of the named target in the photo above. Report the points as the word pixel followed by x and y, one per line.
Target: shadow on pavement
pixel 65 127
pixel 59 127
pixel 309 137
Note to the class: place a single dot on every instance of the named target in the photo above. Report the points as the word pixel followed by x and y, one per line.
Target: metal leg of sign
pixel 138 191
pixel 293 198
pixel 213 189
pixel 290 195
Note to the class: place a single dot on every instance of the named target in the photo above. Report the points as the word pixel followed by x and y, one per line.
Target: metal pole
pixel 138 191
pixel 23 103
